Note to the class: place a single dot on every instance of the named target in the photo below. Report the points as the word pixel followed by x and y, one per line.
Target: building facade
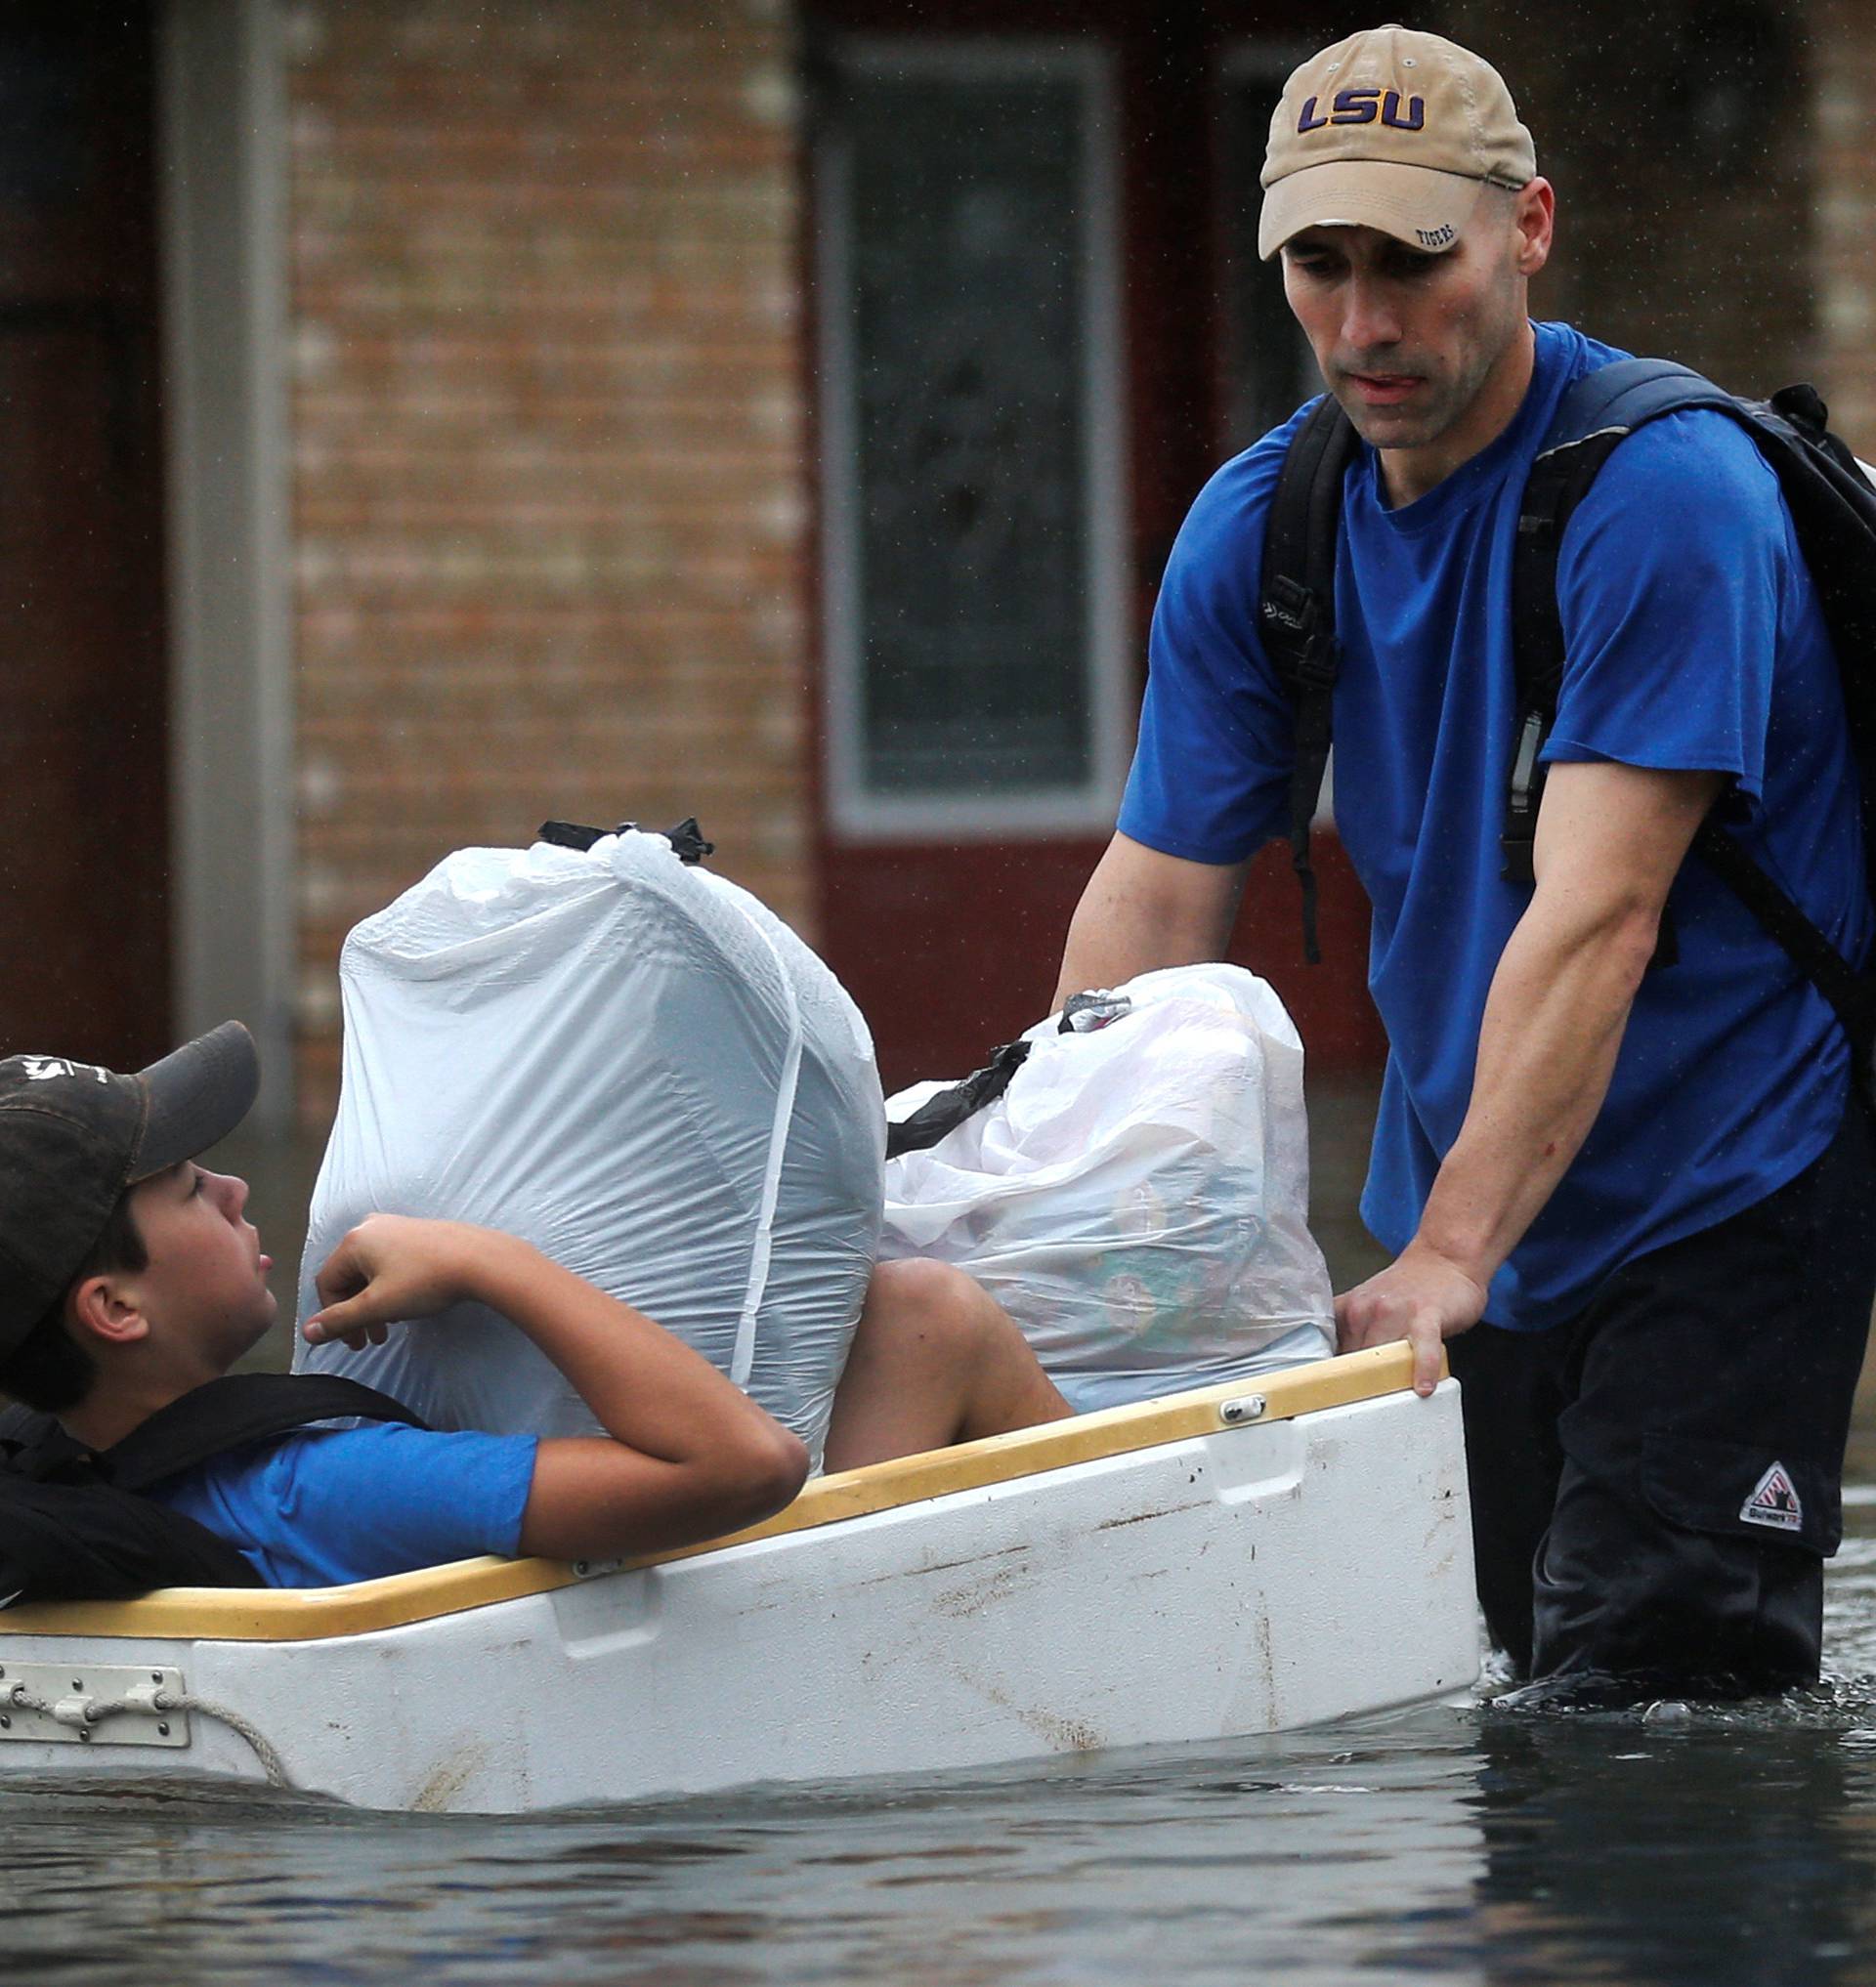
pixel 776 411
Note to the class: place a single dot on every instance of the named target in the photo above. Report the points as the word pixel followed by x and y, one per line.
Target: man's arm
pixel 1611 840
pixel 1144 910
pixel 692 1456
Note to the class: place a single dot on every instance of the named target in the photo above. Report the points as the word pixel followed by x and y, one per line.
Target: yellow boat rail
pixel 213 1614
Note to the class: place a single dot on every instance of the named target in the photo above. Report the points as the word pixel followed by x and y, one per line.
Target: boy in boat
pixel 129 1279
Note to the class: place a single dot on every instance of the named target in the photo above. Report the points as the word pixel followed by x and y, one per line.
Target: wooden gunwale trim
pixel 203 1614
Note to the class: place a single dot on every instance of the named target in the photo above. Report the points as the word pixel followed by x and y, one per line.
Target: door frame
pixel 221 163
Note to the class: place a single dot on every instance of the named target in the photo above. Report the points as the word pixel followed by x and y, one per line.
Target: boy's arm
pixel 692 1456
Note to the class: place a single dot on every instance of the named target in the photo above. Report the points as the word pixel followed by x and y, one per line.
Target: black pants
pixel 1656 1484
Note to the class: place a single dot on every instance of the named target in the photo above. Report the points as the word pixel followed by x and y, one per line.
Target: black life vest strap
pixel 1296 615
pixel 221 1414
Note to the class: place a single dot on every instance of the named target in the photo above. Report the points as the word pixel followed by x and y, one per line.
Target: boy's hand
pixel 389 1268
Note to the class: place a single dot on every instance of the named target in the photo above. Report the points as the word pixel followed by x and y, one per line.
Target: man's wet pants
pixel 1656 1484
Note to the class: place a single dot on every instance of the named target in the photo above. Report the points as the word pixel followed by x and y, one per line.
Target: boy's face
pixel 204 1288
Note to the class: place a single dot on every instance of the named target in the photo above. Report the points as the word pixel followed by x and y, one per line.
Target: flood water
pixel 1448 1843
pixel 1451 1843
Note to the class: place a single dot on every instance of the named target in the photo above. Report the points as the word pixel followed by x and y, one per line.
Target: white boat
pixel 1238 1559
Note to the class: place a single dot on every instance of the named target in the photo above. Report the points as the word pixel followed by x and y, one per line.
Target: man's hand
pixel 392 1267
pixel 1421 1296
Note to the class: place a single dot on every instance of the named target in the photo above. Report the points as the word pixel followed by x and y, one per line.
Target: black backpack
pixel 1833 507
pixel 74 1524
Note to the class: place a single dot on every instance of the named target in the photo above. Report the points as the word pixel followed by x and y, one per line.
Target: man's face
pixel 204 1288
pixel 1407 341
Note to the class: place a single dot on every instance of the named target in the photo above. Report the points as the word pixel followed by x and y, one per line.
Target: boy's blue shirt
pixel 1694 641
pixel 324 1506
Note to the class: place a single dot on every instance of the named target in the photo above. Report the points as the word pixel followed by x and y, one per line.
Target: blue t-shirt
pixel 323 1506
pixel 1694 641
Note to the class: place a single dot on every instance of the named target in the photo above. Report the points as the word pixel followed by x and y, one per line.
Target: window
pixel 976 608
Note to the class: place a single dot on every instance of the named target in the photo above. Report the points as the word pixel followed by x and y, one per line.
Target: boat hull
pixel 1254 1578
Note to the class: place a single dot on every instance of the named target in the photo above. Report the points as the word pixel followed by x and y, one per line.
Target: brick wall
pixel 1844 67
pixel 547 441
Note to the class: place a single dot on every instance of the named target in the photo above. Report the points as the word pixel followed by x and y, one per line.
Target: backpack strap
pixel 225 1414
pixel 1833 509
pixel 91 1540
pixel 73 1524
pixel 235 1410
pixel 1594 414
pixel 1852 995
pixel 1297 614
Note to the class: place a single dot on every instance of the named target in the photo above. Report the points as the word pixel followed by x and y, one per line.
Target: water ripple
pixel 1456 1843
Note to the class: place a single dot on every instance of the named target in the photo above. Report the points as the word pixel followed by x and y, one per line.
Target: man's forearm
pixel 1611 840
pixel 1555 1018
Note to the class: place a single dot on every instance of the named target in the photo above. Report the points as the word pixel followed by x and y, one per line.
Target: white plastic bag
pixel 1137 1198
pixel 635 1066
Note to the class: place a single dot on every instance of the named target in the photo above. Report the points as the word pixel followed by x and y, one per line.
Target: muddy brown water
pixel 1444 1844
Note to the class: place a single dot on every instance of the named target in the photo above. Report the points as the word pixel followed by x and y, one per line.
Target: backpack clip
pixel 1294 615
pixel 1519 840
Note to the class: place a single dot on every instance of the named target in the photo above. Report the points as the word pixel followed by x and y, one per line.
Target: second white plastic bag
pixel 1138 1197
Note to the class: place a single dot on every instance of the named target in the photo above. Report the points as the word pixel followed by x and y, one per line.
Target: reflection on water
pixel 1454 1844
pixel 1451 1843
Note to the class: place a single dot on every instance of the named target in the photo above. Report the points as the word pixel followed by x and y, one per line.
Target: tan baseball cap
pixel 1395 130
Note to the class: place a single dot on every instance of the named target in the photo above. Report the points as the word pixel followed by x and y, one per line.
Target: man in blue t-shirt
pixel 1645 1183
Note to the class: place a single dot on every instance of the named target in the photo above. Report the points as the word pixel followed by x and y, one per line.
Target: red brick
pixel 547 428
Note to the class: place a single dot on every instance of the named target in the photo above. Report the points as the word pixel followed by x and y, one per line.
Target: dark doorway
pixel 84 683
pixel 1041 325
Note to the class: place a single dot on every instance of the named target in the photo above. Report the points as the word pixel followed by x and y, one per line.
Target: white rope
pixel 154 1703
